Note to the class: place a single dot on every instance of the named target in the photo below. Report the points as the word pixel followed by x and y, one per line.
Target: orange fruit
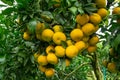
pixel 76 34
pixel 94 40
pixel 36 55
pixel 82 19
pixel 47 35
pixel 42 60
pixel 59 51
pixel 88 29
pixel 52 58
pixel 112 52
pixel 80 45
pixel 95 18
pixel 42 68
pixel 116 10
pixel 26 36
pixel 71 51
pixel 67 62
pixel 50 49
pixel 57 28
pixel 40 27
pixel 58 37
pixel 101 3
pixel 69 42
pixel 105 63
pixel 112 67
pixel 49 72
pixel 91 49
pixel 102 12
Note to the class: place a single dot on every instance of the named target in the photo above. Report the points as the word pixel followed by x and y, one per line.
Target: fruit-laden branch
pixel 96 67
pixel 75 70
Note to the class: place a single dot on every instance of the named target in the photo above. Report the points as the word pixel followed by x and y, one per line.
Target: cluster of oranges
pixel 89 24
pixel 62 46
pixel 110 64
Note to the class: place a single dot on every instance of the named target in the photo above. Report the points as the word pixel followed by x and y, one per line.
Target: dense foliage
pixel 28 28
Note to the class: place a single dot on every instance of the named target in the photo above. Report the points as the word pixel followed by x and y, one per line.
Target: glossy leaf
pixel 31 26
pixel 73 10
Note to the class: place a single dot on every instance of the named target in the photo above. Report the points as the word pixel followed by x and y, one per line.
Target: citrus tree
pixel 57 39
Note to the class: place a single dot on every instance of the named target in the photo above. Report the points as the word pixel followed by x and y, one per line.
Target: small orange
pixel 52 58
pixel 42 60
pixel 112 67
pixel 26 36
pixel 88 29
pixel 102 12
pixel 76 34
pixel 80 45
pixel 91 49
pixel 50 49
pixel 42 68
pixel 94 40
pixel 67 62
pixel 116 10
pixel 49 72
pixel 59 51
pixel 82 19
pixel 71 51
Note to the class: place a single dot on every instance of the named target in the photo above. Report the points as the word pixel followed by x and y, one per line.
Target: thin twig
pixel 75 70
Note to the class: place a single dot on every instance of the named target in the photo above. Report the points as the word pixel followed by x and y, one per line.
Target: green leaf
pixel 60 19
pixel 73 10
pixel 15 50
pixel 90 9
pixel 68 2
pixel 2 58
pixel 8 10
pixel 64 44
pixel 80 10
pixel 47 16
pixel 9 2
pixel 29 44
pixel 116 41
pixel 21 54
pixel 1 74
pixel 32 58
pixel 31 26
pixel 25 61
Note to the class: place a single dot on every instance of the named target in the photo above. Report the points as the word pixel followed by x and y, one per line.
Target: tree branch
pixel 75 70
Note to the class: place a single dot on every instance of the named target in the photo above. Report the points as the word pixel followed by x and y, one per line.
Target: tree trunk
pixel 96 68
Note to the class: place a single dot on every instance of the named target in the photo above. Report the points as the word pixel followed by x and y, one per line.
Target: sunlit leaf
pixel 47 16
pixel 73 10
